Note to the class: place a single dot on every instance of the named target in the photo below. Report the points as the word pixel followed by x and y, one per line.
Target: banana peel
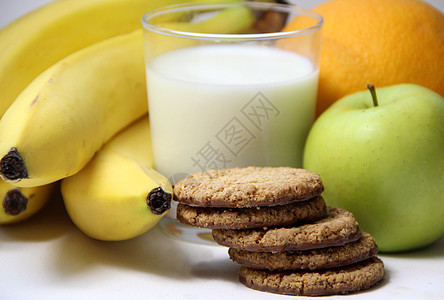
pixel 118 195
pixel 235 19
pixel 69 111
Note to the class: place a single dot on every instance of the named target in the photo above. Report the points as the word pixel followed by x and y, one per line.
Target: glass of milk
pixel 229 84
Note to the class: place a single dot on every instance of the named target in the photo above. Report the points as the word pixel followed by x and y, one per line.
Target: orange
pixel 383 42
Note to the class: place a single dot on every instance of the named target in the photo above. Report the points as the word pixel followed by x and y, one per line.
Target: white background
pixel 48 258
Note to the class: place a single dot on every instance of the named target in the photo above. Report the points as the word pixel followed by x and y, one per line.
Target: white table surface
pixel 47 257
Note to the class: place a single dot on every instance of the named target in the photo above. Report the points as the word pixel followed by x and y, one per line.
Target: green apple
pixel 384 163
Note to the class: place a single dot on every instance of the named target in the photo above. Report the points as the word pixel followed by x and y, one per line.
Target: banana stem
pixel 158 201
pixel 14 202
pixel 12 166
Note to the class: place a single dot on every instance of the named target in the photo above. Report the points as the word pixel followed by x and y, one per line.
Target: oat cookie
pixel 323 258
pixel 338 228
pixel 352 278
pixel 242 218
pixel 248 187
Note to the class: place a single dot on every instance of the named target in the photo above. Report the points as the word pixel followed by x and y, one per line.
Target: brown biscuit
pixel 323 258
pixel 338 228
pixel 352 278
pixel 242 218
pixel 248 187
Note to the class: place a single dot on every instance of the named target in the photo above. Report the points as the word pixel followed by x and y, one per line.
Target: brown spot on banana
pixel 35 100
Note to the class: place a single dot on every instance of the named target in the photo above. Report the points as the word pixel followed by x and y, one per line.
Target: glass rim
pixel 230 36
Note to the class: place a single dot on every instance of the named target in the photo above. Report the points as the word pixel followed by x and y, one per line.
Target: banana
pixel 69 111
pixel 233 19
pixel 117 195
pixel 39 39
pixel 19 204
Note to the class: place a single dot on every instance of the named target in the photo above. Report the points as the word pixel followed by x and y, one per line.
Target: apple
pixel 382 158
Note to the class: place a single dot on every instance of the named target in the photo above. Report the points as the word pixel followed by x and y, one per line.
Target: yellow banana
pixel 69 111
pixel 66 114
pixel 19 204
pixel 36 41
pixel 117 195
pixel 233 19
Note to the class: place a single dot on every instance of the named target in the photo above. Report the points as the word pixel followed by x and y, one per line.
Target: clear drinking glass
pixel 229 84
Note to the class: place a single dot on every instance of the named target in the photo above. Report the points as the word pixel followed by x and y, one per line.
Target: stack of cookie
pixel 279 229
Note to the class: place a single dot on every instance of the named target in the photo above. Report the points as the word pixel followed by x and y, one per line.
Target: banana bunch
pixel 68 112
pixel 41 39
pixel 72 76
pixel 57 123
pixel 118 195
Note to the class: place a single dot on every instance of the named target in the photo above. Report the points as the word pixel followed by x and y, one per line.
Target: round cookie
pixel 248 187
pixel 323 258
pixel 338 228
pixel 352 278
pixel 242 218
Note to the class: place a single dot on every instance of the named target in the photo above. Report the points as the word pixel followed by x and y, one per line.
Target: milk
pixel 221 106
